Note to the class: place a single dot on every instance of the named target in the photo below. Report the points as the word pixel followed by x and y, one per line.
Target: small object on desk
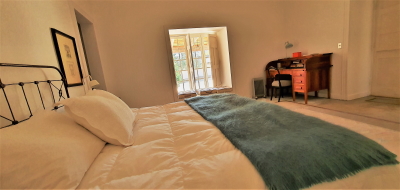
pixel 297 54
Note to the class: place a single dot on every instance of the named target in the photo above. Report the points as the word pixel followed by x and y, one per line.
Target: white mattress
pixel 175 148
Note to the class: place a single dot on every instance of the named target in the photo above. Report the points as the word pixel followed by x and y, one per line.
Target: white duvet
pixel 175 148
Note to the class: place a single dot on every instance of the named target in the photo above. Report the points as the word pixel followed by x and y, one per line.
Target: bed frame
pixel 52 86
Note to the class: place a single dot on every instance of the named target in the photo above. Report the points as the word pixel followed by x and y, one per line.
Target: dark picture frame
pixel 68 58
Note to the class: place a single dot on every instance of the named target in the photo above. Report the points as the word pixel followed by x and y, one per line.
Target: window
pixel 196 61
pixel 202 61
pixel 193 68
pixel 181 65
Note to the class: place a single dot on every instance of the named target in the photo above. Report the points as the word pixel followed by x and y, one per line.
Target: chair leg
pixel 286 90
pixel 272 92
pixel 280 94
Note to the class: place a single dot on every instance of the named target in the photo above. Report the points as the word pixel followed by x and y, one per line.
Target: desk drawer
pixel 299 88
pixel 299 80
pixel 299 73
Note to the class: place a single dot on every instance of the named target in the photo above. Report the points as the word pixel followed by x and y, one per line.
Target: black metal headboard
pixel 35 82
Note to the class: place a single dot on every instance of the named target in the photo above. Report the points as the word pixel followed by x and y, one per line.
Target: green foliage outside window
pixel 177 65
pixel 175 56
pixel 178 77
pixel 198 63
pixel 183 65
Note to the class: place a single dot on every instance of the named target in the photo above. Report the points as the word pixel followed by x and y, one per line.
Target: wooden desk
pixel 314 76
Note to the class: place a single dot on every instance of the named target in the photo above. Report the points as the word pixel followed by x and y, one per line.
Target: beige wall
pixel 25 32
pixel 317 27
pixel 224 60
pixel 25 38
pixel 359 49
pixel 321 25
pixel 133 49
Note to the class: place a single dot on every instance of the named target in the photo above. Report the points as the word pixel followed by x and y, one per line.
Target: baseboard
pixel 324 94
pixel 358 95
pixel 336 96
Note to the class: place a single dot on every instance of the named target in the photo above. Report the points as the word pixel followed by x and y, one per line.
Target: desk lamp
pixel 287 46
pixel 92 83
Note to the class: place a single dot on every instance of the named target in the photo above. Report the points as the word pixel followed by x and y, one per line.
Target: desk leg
pixel 293 95
pixel 316 94
pixel 305 97
pixel 329 93
pixel 328 83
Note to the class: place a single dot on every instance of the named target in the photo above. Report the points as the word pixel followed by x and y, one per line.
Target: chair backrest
pixel 283 77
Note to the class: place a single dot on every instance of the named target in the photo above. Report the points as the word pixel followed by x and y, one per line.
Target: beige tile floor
pixel 378 111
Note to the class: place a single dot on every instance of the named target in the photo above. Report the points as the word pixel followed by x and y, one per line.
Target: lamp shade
pixel 93 83
pixel 288 45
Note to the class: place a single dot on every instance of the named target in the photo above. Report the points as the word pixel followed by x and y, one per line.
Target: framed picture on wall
pixel 67 56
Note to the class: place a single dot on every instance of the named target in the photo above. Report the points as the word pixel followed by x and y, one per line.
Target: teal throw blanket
pixel 290 150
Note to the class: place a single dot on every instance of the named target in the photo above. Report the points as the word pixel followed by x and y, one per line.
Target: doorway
pixel 91 53
pixel 386 49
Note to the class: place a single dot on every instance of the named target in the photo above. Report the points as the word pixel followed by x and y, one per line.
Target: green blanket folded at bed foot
pixel 290 150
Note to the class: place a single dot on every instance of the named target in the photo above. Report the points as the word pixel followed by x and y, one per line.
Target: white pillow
pixel 48 151
pixel 104 114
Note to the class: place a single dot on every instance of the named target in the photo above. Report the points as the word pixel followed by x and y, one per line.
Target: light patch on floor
pixel 376 113
pixel 385 100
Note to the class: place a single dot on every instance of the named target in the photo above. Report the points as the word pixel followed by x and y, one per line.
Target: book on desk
pixel 295 65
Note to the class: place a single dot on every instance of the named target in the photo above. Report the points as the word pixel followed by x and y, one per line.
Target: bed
pixel 96 141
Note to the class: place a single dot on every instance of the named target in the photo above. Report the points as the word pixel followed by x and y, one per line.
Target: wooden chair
pixel 281 81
